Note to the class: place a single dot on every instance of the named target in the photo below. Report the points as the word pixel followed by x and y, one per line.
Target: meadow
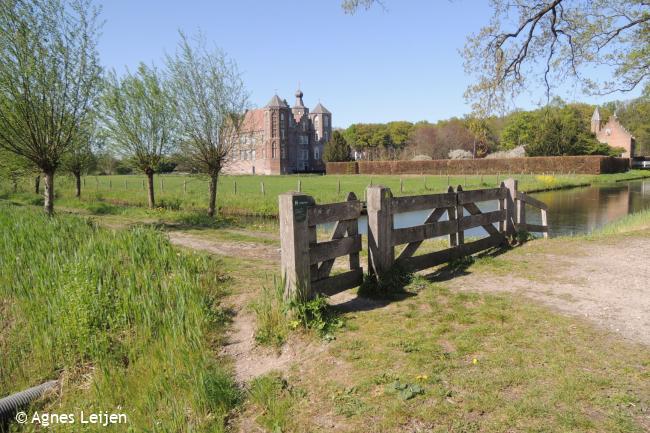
pixel 124 321
pixel 257 195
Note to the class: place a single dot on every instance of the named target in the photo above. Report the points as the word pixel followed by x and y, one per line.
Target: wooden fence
pixel 307 263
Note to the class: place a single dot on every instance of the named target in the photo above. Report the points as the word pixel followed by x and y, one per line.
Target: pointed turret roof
pixel 596 116
pixel 299 103
pixel 319 109
pixel 276 102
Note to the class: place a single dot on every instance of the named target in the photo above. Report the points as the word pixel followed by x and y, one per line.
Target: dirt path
pixel 250 360
pixel 606 282
pixel 226 248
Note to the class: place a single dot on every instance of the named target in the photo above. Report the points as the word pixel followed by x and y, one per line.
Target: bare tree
pixel 49 79
pixel 550 41
pixel 138 120
pixel 210 101
pixel 553 40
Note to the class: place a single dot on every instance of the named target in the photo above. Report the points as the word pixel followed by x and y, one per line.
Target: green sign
pixel 300 205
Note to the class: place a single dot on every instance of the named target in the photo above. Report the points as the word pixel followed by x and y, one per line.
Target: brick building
pixel 278 139
pixel 613 133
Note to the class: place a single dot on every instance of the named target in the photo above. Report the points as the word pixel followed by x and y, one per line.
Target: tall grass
pixel 127 323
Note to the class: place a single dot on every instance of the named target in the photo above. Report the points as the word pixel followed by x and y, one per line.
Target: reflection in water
pixel 582 210
pixel 571 211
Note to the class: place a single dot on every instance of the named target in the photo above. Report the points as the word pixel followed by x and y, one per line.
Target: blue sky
pixel 402 63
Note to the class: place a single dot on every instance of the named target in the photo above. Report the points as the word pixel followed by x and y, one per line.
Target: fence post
pixel 380 230
pixel 451 216
pixel 459 216
pixel 235 187
pixel 338 187
pixel 511 198
pixel 262 186
pixel 502 206
pixel 299 185
pixel 184 186
pixel 294 244
pixel 545 222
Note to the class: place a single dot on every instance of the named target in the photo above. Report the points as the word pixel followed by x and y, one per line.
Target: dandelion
pixel 474 361
pixel 422 377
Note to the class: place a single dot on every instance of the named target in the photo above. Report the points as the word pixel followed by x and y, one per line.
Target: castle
pixel 613 133
pixel 277 139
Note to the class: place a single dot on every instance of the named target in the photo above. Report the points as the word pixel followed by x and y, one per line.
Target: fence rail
pixel 307 264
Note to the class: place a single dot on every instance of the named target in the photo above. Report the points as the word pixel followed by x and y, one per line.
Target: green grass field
pixel 257 195
pixel 127 323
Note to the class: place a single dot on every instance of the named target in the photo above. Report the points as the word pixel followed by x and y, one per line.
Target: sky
pixel 401 62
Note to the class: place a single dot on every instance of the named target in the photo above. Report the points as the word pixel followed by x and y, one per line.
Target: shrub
pixel 460 154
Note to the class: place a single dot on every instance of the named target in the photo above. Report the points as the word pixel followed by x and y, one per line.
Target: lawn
pixel 257 195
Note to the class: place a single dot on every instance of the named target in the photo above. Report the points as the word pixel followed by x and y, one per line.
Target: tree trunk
pixel 77 177
pixel 212 208
pixel 37 184
pixel 152 201
pixel 48 203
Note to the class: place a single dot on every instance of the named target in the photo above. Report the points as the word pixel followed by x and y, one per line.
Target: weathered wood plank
pixel 479 195
pixel 339 231
pixel 531 200
pixel 482 219
pixel 435 258
pixel 421 202
pixel 474 210
pixel 533 228
pixel 353 230
pixel 451 216
pixel 329 213
pixel 459 216
pixel 411 248
pixel 335 248
pixel 294 243
pixel 338 283
pixel 425 231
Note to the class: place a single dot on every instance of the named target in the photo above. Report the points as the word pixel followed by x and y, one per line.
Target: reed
pixel 126 322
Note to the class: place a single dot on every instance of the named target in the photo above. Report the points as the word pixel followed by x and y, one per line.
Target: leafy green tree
pixel 80 159
pixel 210 99
pixel 399 133
pixel 49 79
pixel 337 149
pixel 14 167
pixel 138 120
pixel 520 130
pixel 563 131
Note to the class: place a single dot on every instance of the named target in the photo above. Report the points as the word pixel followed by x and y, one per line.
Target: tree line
pixel 557 129
pixel 59 110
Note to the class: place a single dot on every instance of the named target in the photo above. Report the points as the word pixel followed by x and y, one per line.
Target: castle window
pixel 284 152
pixel 282 116
pixel 282 133
pixel 326 121
pixel 253 155
pixel 316 153
pixel 274 150
pixel 317 135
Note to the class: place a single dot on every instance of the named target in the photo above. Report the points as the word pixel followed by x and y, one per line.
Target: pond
pixel 571 211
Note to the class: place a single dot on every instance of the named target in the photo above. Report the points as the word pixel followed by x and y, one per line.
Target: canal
pixel 571 211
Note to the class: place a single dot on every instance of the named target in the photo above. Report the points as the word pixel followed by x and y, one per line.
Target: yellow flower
pixel 422 377
pixel 474 361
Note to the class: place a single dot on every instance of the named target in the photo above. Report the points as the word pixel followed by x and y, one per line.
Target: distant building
pixel 613 133
pixel 277 139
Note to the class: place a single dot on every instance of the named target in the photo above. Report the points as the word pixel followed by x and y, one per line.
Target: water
pixel 571 211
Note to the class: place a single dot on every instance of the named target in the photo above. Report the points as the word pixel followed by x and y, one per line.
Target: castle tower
pixel 299 109
pixel 595 121
pixel 277 130
pixel 321 119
